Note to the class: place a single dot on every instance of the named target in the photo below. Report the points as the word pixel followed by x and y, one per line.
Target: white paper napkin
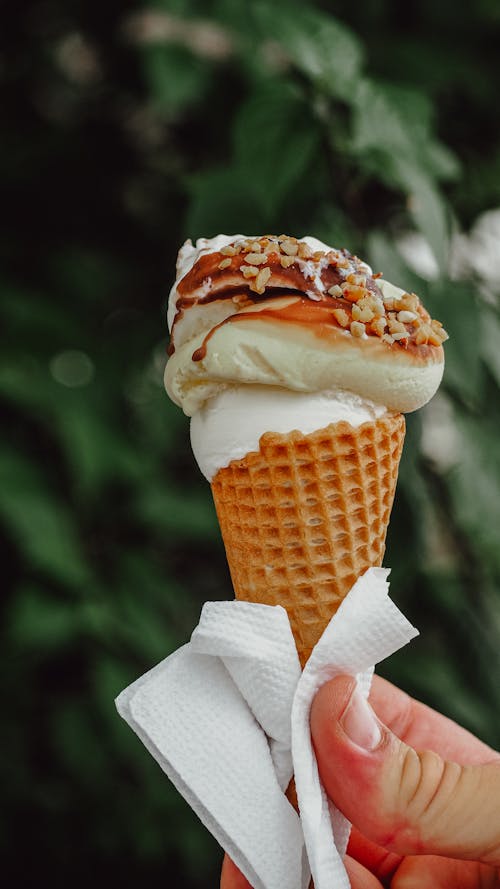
pixel 227 719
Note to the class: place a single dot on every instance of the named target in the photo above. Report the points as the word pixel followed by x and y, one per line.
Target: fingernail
pixel 359 722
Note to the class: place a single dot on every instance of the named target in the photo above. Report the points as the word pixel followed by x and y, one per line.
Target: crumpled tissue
pixel 227 718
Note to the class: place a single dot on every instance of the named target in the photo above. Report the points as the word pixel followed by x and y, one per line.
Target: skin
pixel 430 790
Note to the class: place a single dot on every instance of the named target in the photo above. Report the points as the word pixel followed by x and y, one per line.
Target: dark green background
pixel 127 127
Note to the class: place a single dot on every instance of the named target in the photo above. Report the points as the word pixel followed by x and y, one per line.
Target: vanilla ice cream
pixel 283 334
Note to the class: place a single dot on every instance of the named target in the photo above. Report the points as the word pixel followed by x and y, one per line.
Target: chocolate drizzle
pixel 355 307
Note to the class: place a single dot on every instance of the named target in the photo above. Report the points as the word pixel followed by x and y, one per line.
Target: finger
pixel 423 728
pixel 231 877
pixel 444 873
pixel 409 802
pixel 359 877
pixel 378 861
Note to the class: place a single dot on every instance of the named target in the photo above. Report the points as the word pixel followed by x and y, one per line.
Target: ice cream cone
pixel 306 515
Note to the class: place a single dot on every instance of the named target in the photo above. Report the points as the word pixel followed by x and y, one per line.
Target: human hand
pixel 420 819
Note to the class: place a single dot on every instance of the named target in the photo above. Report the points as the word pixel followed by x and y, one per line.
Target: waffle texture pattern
pixel 306 515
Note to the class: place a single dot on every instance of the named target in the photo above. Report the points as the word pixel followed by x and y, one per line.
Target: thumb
pixel 410 802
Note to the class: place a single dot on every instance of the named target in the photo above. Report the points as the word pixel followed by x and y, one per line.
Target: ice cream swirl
pixel 298 314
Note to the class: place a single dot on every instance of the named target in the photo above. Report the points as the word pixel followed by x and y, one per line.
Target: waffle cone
pixel 304 516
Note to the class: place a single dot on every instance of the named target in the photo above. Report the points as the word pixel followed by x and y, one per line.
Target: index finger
pixel 423 728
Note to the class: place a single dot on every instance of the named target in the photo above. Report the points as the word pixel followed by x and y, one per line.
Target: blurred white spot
pixel 72 368
pixel 440 437
pixel 202 37
pixel 418 255
pixel 484 249
pixel 78 59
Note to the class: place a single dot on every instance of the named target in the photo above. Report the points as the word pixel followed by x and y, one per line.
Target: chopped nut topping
pixel 426 334
pixel 373 303
pixel 394 319
pixel 360 314
pixel 249 271
pixel 259 285
pixel 439 330
pixel 396 327
pixel 357 328
pixel 271 247
pixel 305 251
pixel 352 292
pixel 406 303
pixel 378 326
pixel 407 317
pixel 360 280
pixel 341 316
pixel 255 258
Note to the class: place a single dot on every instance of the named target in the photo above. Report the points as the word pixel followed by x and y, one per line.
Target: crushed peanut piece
pixel 387 338
pixel 319 254
pixel 406 303
pixel 255 246
pixel 352 292
pixel 305 251
pixel 259 285
pixel 378 326
pixel 289 248
pixel 335 290
pixel 341 316
pixel 396 327
pixel 229 250
pixel 287 261
pixel 439 330
pixel 225 263
pixel 360 280
pixel 373 303
pixel 357 328
pixel 407 317
pixel 249 271
pixel 255 258
pixel 271 247
pixel 365 314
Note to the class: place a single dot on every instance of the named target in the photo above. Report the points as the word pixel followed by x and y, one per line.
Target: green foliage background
pixel 127 127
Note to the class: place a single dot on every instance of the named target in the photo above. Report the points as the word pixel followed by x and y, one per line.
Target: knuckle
pixel 425 784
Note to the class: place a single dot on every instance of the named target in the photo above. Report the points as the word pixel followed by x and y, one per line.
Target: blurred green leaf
pixel 489 339
pixel 43 527
pixel 172 512
pixel 456 308
pixel 322 48
pixel 37 620
pixel 428 211
pixel 474 497
pixel 176 77
pixel 275 139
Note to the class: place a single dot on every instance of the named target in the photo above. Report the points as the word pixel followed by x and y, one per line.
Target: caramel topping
pixel 333 290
